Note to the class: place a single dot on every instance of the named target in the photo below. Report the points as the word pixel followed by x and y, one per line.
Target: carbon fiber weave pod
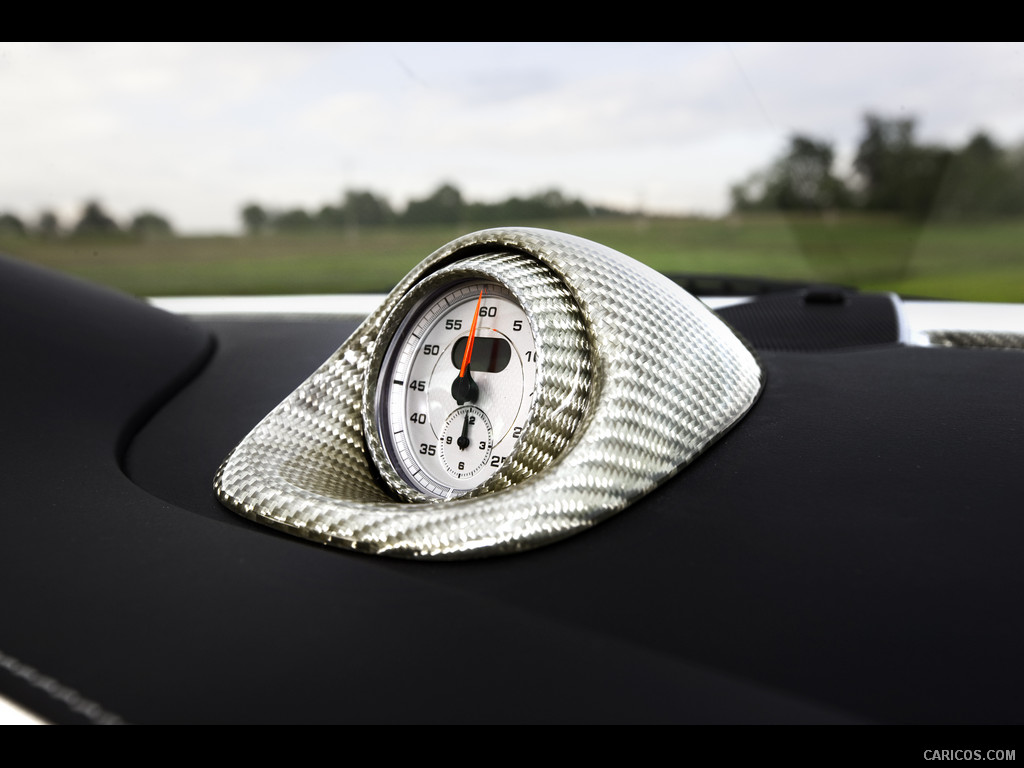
pixel 665 377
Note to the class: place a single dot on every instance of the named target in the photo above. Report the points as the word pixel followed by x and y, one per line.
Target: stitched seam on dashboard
pixel 69 697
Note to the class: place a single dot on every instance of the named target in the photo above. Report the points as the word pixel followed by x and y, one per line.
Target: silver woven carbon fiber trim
pixel 666 379
pixel 976 339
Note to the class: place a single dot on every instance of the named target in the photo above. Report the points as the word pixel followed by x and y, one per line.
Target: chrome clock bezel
pixel 562 377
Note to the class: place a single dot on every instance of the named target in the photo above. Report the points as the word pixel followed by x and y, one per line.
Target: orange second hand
pixel 472 334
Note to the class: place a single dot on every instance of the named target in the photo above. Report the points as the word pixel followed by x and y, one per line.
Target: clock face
pixel 456 387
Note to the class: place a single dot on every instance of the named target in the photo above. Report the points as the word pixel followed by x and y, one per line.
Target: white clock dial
pixel 456 387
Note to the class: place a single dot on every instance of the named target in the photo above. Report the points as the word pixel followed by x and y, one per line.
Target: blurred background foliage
pixel 893 173
pixel 918 219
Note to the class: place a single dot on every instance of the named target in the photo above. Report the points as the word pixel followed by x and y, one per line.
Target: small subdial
pixel 466 442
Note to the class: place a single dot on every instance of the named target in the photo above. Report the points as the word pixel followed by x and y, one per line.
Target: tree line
pixel 357 208
pixel 893 172
pixel 445 205
pixel 93 221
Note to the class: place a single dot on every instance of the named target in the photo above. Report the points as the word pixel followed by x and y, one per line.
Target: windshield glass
pixel 264 168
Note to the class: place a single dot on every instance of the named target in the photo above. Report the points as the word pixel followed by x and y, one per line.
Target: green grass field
pixel 977 261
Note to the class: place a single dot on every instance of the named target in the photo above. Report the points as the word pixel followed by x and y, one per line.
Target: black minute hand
pixel 463 441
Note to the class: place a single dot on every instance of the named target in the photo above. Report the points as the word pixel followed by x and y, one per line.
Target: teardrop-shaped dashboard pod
pixel 634 379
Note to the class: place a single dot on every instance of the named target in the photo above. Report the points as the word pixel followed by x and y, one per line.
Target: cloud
pixel 194 130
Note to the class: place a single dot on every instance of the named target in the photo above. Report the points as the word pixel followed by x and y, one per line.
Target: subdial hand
pixel 463 441
pixel 464 389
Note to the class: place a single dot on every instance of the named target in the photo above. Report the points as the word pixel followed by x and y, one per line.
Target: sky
pixel 195 131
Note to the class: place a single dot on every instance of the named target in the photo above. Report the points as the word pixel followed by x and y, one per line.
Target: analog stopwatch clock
pixel 456 386
pixel 457 380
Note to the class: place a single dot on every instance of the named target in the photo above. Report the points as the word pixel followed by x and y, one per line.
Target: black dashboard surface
pixel 850 552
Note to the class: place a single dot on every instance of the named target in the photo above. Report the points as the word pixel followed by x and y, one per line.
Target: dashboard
pixel 848 552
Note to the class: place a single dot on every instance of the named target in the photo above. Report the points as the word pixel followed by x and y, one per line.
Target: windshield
pixel 269 168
